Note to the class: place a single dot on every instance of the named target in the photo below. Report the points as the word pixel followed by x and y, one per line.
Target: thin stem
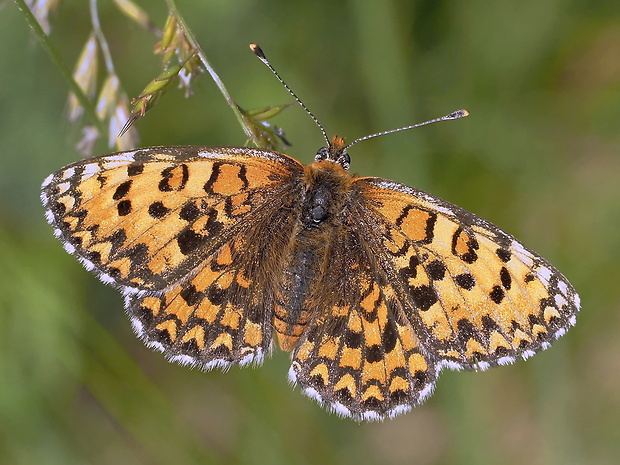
pixel 43 39
pixel 103 43
pixel 203 58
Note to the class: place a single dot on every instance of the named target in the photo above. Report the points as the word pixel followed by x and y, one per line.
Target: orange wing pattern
pixel 360 356
pixel 143 219
pixel 416 285
pixel 477 297
pixel 181 232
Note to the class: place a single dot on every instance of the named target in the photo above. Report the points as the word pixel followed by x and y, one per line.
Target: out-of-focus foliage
pixel 539 156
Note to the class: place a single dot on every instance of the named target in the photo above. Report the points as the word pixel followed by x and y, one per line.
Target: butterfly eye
pixel 344 160
pixel 322 154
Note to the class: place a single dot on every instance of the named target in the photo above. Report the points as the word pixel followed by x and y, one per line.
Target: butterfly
pixel 373 286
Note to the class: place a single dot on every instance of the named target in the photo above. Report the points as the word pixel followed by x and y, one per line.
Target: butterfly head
pixel 336 151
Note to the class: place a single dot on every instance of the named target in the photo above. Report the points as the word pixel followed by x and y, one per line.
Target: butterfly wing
pixel 474 294
pixel 222 313
pixel 176 229
pixel 359 355
pixel 144 219
pixel 421 285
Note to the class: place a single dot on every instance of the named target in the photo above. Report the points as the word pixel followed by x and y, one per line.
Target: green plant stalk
pixel 89 106
pixel 203 58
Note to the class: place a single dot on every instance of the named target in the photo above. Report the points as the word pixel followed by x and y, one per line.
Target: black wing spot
pixel 424 297
pixel 215 172
pixel 497 294
pixel 436 270
pixel 190 212
pixel 213 227
pixel 122 190
pixel 317 381
pixel 466 331
pixel 344 396
pixel 191 295
pixel 242 175
pixel 420 379
pixel 399 397
pixel 374 353
pixel 190 348
pixel 124 207
pixel 216 295
pixel 135 169
pixel 389 337
pixel 145 315
pixel 411 270
pixel 505 278
pixel 189 241
pixel 501 351
pixel 58 208
pixel 372 403
pixel 489 325
pixel 158 210
pixel 352 339
pixel 163 336
pixel 465 280
pixel 503 254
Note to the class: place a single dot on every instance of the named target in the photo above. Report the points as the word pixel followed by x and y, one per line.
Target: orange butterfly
pixel 374 286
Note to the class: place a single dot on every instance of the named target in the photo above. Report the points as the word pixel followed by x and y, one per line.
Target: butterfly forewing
pixel 473 293
pixel 144 219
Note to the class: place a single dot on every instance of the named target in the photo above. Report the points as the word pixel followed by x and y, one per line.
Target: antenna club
pixel 458 114
pixel 257 50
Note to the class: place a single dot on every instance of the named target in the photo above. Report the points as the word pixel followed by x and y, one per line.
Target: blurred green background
pixel 539 156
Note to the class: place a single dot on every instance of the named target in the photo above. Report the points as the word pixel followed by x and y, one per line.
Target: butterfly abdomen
pixel 291 315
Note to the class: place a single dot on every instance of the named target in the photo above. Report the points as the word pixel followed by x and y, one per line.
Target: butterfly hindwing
pixel 359 354
pixel 219 316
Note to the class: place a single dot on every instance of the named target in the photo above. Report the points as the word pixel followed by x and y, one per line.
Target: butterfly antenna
pixel 454 115
pixel 261 55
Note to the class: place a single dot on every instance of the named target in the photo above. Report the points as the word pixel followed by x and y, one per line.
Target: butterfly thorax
pixel 327 184
pixel 326 195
